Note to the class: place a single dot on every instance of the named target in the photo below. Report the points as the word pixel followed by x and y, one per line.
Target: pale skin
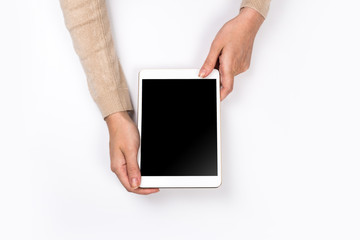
pixel 230 52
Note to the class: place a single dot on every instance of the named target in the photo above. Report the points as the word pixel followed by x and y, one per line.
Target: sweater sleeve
pixel 262 6
pixel 89 27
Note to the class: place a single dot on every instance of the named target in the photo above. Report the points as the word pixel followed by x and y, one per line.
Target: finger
pixel 123 177
pixel 146 191
pixel 211 59
pixel 133 171
pixel 227 78
pixel 119 167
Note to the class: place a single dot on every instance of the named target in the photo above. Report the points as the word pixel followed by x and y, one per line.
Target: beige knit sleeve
pixel 262 6
pixel 88 24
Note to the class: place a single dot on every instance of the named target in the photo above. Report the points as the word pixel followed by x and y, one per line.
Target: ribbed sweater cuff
pixel 114 101
pixel 262 6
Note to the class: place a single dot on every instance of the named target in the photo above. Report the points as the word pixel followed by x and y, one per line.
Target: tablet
pixel 179 126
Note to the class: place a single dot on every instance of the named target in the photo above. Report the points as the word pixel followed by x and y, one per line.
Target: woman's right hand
pixel 124 146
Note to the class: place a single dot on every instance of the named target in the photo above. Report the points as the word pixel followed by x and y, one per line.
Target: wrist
pixel 251 18
pixel 114 120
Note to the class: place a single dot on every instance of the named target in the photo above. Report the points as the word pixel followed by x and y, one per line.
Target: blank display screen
pixel 178 127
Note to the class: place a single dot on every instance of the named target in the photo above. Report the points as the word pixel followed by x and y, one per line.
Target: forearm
pixel 88 24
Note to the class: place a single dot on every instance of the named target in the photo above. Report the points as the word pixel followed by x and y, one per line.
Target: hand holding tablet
pixel 179 126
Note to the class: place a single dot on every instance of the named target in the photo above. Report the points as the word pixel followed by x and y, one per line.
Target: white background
pixel 290 128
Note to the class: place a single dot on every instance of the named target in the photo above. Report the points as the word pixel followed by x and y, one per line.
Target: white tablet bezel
pixel 180 181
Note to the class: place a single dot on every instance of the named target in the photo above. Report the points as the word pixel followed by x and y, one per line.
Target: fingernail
pixel 134 183
pixel 202 73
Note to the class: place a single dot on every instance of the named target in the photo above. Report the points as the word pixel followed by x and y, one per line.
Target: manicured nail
pixel 134 183
pixel 202 73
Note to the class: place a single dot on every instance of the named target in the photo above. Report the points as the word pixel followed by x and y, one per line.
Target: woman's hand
pixel 124 146
pixel 232 48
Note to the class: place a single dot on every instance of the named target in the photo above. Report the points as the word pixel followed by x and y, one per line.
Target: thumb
pixel 211 60
pixel 132 167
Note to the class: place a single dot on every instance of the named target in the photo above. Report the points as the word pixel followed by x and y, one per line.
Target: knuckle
pixel 246 67
pixel 221 59
pixel 228 89
pixel 207 63
pixel 132 171
pixel 222 69
pixel 214 44
pixel 131 150
pixel 114 168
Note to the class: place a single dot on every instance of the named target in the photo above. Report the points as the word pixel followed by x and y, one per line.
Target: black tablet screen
pixel 179 127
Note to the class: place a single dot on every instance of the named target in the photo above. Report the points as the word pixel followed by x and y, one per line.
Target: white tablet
pixel 179 125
